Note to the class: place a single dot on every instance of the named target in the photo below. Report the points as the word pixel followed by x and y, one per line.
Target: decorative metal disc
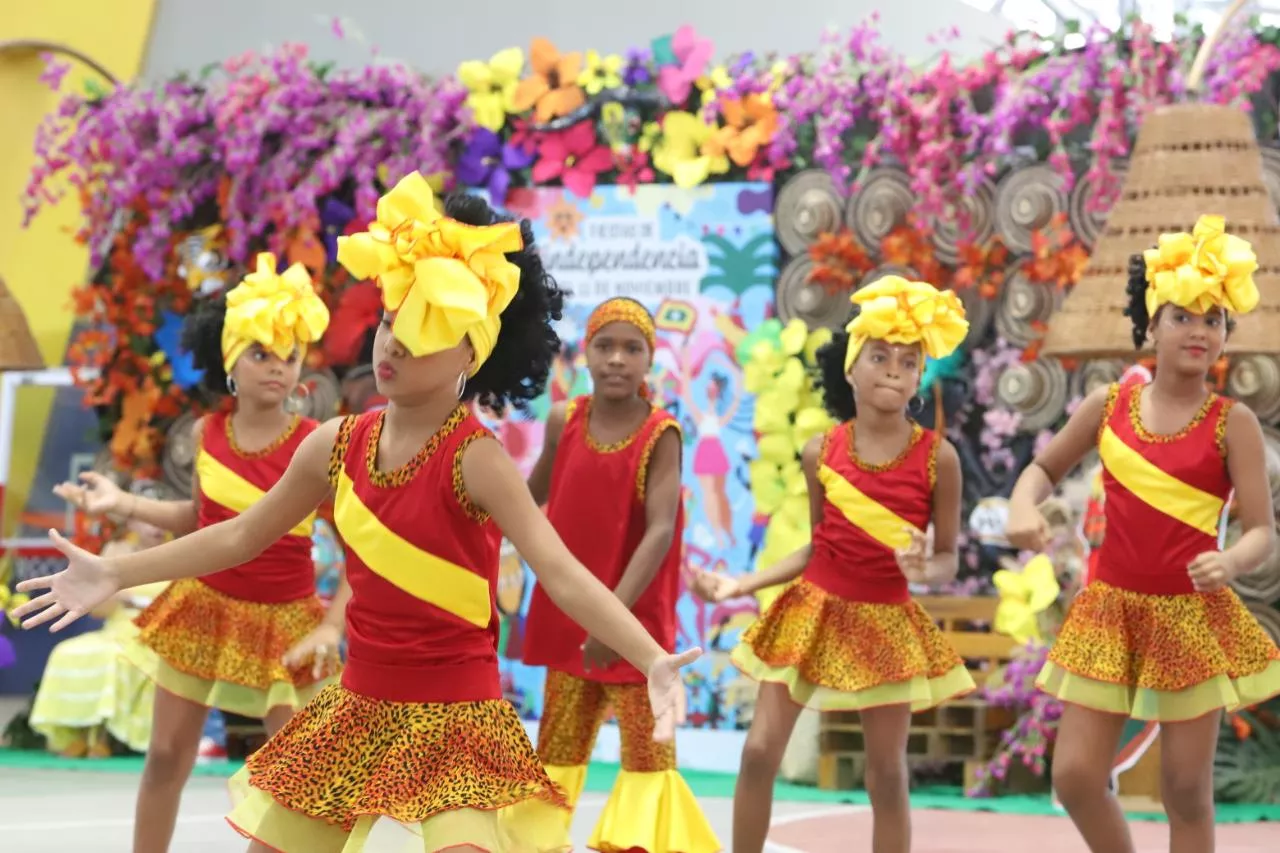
pixel 806 207
pixel 324 394
pixel 796 297
pixel 880 205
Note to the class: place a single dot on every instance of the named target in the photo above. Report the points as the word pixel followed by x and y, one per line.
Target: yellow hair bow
pixel 281 312
pixel 1205 269
pixel 444 280
pixel 899 311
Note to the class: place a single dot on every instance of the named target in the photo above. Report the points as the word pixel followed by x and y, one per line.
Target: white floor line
pixel 803 816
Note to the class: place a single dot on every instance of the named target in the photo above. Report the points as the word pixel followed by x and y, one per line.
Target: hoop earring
pixel 231 386
pixel 462 384
pixel 916 406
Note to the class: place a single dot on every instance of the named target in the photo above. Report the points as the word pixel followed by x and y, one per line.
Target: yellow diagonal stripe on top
pixel 420 573
pixel 1157 489
pixel 867 514
pixel 223 486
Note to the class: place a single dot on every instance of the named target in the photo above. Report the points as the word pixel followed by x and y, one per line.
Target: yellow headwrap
pixel 899 311
pixel 1205 269
pixel 443 280
pixel 282 313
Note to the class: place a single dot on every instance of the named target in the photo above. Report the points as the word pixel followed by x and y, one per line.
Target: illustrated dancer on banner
pixel 610 476
pixel 847 634
pixel 417 736
pixel 711 464
pixel 254 639
pixel 1158 634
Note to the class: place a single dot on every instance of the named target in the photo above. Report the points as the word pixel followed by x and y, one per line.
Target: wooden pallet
pixel 965 730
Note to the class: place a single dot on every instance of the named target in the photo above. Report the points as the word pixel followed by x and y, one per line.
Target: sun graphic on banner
pixel 563 219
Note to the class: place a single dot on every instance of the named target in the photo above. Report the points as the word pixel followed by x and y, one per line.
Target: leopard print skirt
pixel 1160 657
pixel 837 654
pixel 224 652
pixel 352 773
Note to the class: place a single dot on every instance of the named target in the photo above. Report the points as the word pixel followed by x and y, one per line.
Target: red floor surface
pixel 977 832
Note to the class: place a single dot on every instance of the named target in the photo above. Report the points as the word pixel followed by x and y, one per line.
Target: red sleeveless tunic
pixel 848 559
pixel 422 561
pixel 1163 495
pixel 229 481
pixel 596 504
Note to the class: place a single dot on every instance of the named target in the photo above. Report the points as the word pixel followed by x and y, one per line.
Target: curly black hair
pixel 837 393
pixel 1137 308
pixel 515 374
pixel 202 338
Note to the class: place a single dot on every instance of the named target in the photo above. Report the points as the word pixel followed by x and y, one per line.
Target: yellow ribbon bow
pixel 899 311
pixel 280 312
pixel 1024 596
pixel 442 279
pixel 1205 269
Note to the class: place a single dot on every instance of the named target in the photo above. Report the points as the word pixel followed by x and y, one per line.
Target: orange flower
pixel 749 124
pixel 552 89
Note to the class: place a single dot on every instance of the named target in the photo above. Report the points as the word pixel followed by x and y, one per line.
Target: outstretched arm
pixel 790 567
pixel 494 483
pixel 88 579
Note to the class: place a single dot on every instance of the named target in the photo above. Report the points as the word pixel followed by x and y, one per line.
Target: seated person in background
pixel 87 695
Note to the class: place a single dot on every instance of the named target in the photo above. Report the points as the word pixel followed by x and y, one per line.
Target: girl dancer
pixel 847 634
pixel 417 732
pixel 1157 634
pixel 221 641
pixel 599 448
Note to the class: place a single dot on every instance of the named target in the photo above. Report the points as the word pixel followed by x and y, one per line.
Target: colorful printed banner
pixel 703 261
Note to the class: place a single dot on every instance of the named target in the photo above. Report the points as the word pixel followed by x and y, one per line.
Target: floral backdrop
pixel 181 183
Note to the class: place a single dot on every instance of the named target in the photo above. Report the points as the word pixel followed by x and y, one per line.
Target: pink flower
pixel 574 157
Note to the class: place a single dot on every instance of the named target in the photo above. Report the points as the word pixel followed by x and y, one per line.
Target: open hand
pixel 666 693
pixel 94 494
pixel 596 655
pixel 1027 529
pixel 86 582
pixel 1211 571
pixel 320 647
pixel 914 559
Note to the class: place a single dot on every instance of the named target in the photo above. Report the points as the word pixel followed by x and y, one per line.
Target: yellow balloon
pixel 794 336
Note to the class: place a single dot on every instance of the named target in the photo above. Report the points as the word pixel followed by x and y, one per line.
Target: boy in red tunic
pixel 610 476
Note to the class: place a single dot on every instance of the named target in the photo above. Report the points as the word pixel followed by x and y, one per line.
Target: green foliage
pixel 1248 770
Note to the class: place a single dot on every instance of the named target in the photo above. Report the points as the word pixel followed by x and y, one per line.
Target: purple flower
pixel 636 71
pixel 487 162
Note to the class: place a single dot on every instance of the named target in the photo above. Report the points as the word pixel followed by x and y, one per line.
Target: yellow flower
pixel 777 449
pixel 1024 595
pixel 767 486
pixel 679 153
pixel 779 72
pixel 810 421
pixel 716 81
pixel 648 136
pixel 613 125
pixel 601 73
pixel 491 86
pixel 793 336
pixel 818 339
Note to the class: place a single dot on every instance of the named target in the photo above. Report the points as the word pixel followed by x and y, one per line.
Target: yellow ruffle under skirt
pixel 835 654
pixel 224 652
pixel 653 812
pixel 1164 658
pixel 353 774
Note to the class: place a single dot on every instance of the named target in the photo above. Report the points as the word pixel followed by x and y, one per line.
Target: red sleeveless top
pixel 866 510
pixel 230 481
pixel 422 561
pixel 1164 495
pixel 596 504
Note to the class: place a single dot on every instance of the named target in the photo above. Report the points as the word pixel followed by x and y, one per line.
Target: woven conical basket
pixel 1189 160
pixel 18 350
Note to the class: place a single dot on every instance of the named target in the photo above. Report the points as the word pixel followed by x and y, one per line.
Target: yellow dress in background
pixel 88 689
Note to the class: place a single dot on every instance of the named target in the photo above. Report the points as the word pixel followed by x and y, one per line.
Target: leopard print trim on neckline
pixel 1144 434
pixel 616 446
pixel 917 432
pixel 275 444
pixel 402 475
